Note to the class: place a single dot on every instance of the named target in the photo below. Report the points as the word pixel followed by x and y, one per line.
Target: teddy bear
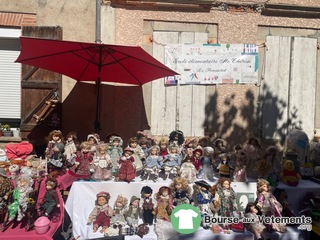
pixel 289 175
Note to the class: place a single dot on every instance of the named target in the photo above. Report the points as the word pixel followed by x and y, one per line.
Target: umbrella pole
pixel 97 125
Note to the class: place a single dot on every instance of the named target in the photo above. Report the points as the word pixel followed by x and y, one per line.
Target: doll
pixel 172 162
pixel 81 168
pixel 188 147
pixel 147 205
pixel 268 204
pixel 50 199
pixel 127 171
pixel 180 191
pixel 239 174
pixel 176 138
pixel 219 148
pixel 224 166
pixel 253 151
pixel 133 214
pixel 196 160
pixel 102 164
pixel 5 187
pixel 20 197
pixel 163 144
pixel 115 151
pixel 258 229
pixel 102 213
pixel 206 163
pixel 227 195
pixel 164 203
pixel 272 156
pixel 188 170
pixel 281 195
pixel 138 153
pixel 153 163
pixel 54 151
pixel 144 144
pixel 120 207
pixel 204 199
pixel 70 148
pixel 14 171
pixel 93 139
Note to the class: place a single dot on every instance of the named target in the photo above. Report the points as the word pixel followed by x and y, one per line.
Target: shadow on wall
pixel 121 111
pixel 238 122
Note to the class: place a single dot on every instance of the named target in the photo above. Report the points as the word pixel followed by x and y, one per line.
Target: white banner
pixel 212 63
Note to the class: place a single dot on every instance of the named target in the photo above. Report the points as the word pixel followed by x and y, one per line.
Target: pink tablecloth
pixel 20 233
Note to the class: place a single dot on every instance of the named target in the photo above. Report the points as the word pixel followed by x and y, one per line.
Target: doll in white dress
pixel 101 164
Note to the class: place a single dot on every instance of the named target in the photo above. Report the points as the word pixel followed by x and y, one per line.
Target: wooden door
pixel 40 94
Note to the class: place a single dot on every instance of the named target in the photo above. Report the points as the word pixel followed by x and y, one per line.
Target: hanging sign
pixel 212 63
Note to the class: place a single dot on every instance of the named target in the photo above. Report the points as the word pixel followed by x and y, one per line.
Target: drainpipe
pixel 98 21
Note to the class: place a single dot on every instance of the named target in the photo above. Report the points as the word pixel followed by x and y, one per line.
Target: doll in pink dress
pixel 102 213
pixel 102 164
pixel 127 170
pixel 268 204
pixel 81 168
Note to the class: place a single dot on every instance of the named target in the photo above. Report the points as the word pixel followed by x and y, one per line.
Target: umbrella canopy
pixel 93 62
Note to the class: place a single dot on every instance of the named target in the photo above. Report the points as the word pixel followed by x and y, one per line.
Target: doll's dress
pixel 115 153
pixel 55 158
pixel 127 170
pixel 132 216
pixel 180 197
pixel 153 164
pixel 204 200
pixel 253 155
pixel 188 171
pixel 50 200
pixel 257 225
pixel 102 167
pixel 207 170
pixel 163 208
pixel 118 217
pixel 69 152
pixel 270 205
pixel 171 163
pixel 138 154
pixel 227 201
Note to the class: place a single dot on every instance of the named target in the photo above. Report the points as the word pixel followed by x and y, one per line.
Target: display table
pixel 82 196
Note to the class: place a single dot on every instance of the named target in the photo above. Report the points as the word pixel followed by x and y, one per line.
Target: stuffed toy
pixel 289 175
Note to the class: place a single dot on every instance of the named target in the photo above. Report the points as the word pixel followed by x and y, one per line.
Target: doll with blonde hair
pixel 180 191
pixel 119 209
pixel 101 164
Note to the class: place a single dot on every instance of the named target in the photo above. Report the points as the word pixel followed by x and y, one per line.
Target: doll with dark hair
pixel 102 213
pixel 93 140
pixel 50 200
pixel 138 154
pixel 147 205
pixel 258 229
pixel 281 195
pixel 164 203
pixel 126 162
pixel 176 138
pixel 188 170
pixel 54 151
pixel 253 151
pixel 180 191
pixel 196 160
pixel 70 148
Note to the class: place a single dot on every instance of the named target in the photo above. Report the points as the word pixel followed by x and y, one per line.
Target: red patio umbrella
pixel 93 62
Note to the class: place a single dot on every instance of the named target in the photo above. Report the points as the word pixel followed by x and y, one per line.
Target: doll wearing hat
pixel 93 139
pixel 102 213
pixel 176 138
pixel 153 163
pixel 133 214
pixel 147 205
pixel 172 162
pixel 127 170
